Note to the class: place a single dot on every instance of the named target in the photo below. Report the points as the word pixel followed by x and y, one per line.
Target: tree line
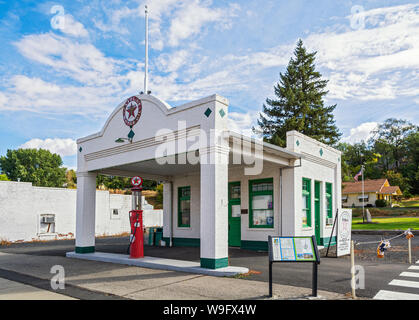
pixel 45 169
pixel 392 153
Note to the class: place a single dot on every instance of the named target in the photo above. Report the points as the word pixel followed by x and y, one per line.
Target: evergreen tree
pixel 299 104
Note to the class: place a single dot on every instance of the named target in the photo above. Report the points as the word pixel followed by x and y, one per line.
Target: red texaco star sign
pixel 136 181
pixel 132 111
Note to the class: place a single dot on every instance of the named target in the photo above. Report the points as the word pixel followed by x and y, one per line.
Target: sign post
pixel 294 249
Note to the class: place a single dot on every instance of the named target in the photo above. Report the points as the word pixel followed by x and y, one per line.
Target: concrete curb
pixel 380 232
pixel 159 263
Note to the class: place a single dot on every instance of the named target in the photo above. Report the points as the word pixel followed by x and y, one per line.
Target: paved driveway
pixel 334 273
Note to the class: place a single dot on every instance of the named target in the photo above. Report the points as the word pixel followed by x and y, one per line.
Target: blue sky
pixel 65 65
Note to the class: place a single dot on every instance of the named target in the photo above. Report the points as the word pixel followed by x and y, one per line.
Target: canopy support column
pixel 214 208
pixel 85 212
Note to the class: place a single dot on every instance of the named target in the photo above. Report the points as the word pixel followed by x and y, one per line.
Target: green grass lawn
pixel 382 223
pixel 411 203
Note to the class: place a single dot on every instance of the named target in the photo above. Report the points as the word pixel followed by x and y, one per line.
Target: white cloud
pixel 360 133
pixel 81 61
pixel 39 96
pixel 172 62
pixel 99 80
pixel 189 20
pixel 362 63
pixel 242 122
pixel 63 147
pixel 73 27
pixel 114 22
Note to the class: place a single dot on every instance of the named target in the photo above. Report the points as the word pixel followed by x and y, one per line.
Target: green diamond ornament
pixel 321 151
pixel 222 113
pixel 131 134
pixel 208 112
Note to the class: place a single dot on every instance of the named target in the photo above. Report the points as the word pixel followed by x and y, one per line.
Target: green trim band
pixel 254 245
pixel 85 249
pixel 182 242
pixel 325 241
pixel 214 263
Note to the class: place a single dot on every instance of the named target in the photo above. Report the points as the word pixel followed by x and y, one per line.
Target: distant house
pixel 373 190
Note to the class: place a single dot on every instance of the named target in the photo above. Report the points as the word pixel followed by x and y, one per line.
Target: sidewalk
pixel 11 290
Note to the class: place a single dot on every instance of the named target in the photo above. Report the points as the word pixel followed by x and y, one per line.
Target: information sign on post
pixel 343 234
pixel 293 249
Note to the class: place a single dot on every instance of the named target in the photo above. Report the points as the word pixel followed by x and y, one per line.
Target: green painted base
pixel 182 242
pixel 85 249
pixel 214 263
pixel 254 245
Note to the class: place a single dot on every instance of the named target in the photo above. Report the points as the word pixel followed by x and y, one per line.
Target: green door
pixel 234 222
pixel 317 211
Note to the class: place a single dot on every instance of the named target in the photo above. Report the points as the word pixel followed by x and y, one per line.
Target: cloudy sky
pixel 65 65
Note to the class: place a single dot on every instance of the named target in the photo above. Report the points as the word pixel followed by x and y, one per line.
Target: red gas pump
pixel 136 244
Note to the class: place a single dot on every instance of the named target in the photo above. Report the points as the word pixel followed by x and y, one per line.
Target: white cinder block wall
pixel 21 205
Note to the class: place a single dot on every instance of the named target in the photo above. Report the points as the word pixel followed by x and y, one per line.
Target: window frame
pixel 307 211
pixel 179 199
pixel 260 193
pixel 329 195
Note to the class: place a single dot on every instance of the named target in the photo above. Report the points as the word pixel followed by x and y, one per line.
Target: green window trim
pixel 306 191
pixel 260 193
pixel 329 200
pixel 183 197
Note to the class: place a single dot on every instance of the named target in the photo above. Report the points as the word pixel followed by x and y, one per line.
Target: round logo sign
pixel 136 181
pixel 132 111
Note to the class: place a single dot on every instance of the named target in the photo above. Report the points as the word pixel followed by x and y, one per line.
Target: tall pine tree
pixel 299 104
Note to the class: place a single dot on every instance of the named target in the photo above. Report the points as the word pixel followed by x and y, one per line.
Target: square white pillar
pixel 168 212
pixel 85 212
pixel 214 208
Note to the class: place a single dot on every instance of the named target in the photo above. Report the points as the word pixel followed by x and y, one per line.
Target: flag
pixel 358 174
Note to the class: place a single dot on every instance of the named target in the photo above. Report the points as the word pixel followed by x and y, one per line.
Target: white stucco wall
pixel 257 234
pixel 21 205
pixel 234 175
pixel 317 166
pixel 321 163
pixel 192 180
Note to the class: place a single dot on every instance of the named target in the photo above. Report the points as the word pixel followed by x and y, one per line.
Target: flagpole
pixel 146 53
pixel 363 196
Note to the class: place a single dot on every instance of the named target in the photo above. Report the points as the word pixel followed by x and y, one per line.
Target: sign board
pixel 292 249
pixel 343 232
pixel 131 112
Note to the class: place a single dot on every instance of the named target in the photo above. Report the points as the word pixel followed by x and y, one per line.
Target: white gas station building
pixel 221 188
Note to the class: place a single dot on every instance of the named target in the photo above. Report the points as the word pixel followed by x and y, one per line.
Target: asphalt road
pixel 334 273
